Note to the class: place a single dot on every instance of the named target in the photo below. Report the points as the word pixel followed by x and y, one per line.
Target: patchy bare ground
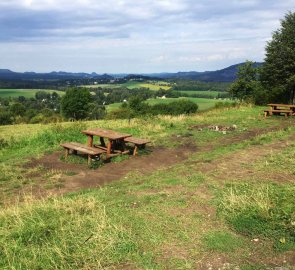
pixel 85 178
pixel 69 177
pixel 239 165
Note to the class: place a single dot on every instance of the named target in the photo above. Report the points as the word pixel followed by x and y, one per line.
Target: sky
pixel 135 36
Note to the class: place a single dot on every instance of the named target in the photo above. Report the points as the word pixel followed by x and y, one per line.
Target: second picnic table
pixel 115 145
pixel 286 109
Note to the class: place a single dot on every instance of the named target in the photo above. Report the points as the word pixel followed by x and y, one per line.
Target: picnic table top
pixel 105 133
pixel 281 105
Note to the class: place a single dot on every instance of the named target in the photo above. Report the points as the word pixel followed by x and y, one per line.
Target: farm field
pixel 27 93
pixel 204 103
pixel 197 199
pixel 154 85
pixel 213 94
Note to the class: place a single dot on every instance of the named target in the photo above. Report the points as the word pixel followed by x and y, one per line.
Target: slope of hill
pixel 11 75
pixel 224 75
pixel 228 74
pixel 197 199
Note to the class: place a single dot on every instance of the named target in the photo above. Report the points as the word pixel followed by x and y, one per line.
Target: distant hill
pixel 11 75
pixel 228 74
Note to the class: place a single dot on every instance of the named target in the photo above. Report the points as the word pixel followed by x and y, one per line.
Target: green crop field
pixel 195 198
pixel 152 85
pixel 28 93
pixel 209 93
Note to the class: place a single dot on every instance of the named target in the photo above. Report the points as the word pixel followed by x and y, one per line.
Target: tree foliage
pixel 75 103
pixel 247 87
pixel 278 72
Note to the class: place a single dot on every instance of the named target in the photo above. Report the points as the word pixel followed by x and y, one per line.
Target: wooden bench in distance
pixel 138 143
pixel 90 151
pixel 271 112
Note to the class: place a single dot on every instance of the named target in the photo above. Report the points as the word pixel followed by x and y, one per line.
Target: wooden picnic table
pixel 277 108
pixel 115 145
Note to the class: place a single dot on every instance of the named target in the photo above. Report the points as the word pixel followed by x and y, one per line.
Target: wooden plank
pixel 281 105
pixel 83 148
pixel 105 133
pixel 137 141
pixel 283 111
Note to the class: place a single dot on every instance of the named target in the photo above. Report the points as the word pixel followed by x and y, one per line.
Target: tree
pixel 17 109
pixel 278 72
pixel 75 103
pixel 247 87
pixel 40 95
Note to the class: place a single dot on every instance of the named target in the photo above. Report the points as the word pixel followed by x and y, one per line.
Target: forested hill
pixel 60 75
pixel 223 75
pixel 228 74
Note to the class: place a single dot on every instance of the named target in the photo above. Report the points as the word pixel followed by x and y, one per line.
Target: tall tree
pixel 75 103
pixel 246 84
pixel 278 72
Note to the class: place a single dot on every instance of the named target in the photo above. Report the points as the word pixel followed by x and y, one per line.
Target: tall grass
pixel 262 210
pixel 62 233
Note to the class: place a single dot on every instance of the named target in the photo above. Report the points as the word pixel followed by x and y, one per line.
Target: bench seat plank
pixel 283 111
pixel 136 140
pixel 138 143
pixel 83 148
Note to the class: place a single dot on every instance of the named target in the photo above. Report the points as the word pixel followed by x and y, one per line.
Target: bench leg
pixel 66 152
pixel 135 150
pixel 265 114
pixel 89 160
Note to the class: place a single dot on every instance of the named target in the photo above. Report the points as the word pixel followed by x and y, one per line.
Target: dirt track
pixel 81 177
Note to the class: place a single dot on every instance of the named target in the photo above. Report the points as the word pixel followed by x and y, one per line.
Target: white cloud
pixel 135 36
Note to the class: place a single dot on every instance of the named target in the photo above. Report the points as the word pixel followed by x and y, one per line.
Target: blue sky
pixel 129 36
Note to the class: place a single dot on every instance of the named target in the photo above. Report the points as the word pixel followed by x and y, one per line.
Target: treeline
pixel 193 85
pixel 80 103
pixel 274 82
pixel 136 107
pixel 45 108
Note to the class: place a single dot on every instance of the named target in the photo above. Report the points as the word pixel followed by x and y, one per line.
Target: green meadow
pixel 27 93
pixel 213 94
pixel 227 204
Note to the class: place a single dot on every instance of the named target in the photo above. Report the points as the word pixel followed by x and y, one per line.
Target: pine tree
pixel 278 72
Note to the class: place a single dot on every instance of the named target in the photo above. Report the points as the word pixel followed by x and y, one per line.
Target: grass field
pixel 227 204
pixel 153 85
pixel 204 103
pixel 28 93
pixel 213 94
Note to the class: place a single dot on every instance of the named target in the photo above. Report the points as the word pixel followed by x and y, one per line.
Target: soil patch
pixel 85 178
pixel 75 177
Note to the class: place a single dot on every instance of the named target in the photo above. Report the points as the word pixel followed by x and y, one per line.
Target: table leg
pixel 109 148
pixel 90 140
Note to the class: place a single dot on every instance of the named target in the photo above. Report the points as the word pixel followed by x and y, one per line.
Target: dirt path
pixel 239 165
pixel 75 177
pixel 85 178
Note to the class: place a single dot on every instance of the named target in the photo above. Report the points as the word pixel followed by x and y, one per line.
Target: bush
pixel 174 108
pixel 5 118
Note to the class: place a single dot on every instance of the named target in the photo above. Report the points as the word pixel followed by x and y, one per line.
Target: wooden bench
pixel 271 112
pixel 90 151
pixel 138 143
